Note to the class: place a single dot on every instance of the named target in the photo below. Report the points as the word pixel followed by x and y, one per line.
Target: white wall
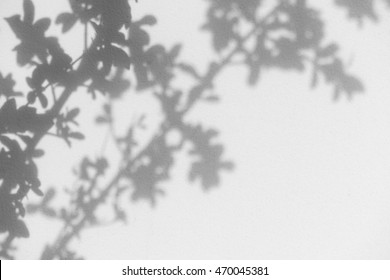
pixel 312 175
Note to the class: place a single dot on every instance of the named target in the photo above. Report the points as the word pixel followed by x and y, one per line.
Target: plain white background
pixel 312 176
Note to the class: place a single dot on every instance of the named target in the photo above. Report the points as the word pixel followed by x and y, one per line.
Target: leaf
pixel 42 25
pixel 6 86
pixel 37 191
pixel 38 153
pixel 188 69
pixel 72 114
pixel 67 20
pixel 222 29
pixel 23 54
pixel 31 97
pixel 9 107
pixel 328 51
pixel 20 229
pixel 49 212
pixel 12 145
pixel 101 165
pixel 175 51
pixel 38 76
pixel 147 20
pixel 212 98
pixel 126 13
pixel 16 25
pixel 351 85
pixel 76 135
pixel 101 119
pixel 120 58
pixel 359 9
pixel 29 11
pixel 50 194
pixel 43 100
pixel 119 38
pixel 26 139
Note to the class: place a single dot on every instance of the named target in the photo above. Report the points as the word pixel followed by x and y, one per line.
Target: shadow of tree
pixel 286 35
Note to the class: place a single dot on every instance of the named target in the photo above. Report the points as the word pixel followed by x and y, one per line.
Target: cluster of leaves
pixel 7 87
pixel 100 69
pixel 18 172
pixel 290 36
pixel 22 127
pixel 63 125
pixel 360 10
pixel 208 155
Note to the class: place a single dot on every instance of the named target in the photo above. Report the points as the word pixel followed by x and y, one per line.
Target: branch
pixel 67 234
